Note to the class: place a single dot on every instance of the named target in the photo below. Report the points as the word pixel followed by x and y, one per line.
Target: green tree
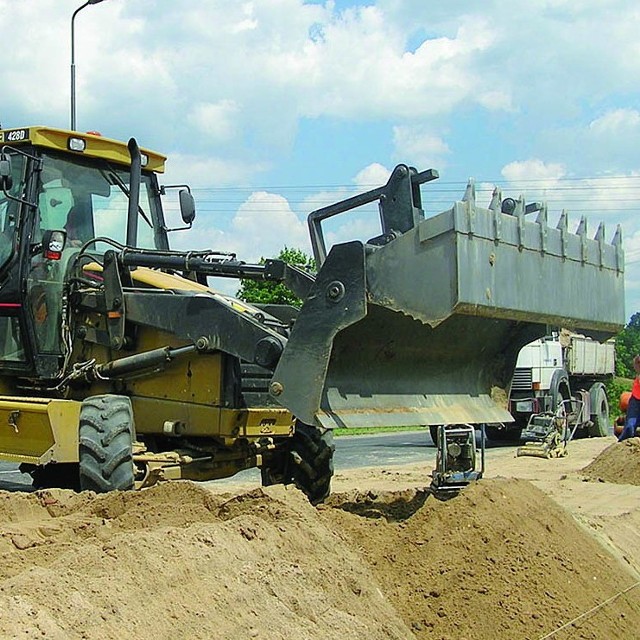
pixel 628 346
pixel 264 292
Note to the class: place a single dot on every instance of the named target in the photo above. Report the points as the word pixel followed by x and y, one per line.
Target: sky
pixel 270 109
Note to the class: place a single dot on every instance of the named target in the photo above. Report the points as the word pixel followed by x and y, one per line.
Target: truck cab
pixel 537 362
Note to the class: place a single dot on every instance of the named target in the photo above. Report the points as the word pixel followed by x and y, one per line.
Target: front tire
pixel 106 444
pixel 600 411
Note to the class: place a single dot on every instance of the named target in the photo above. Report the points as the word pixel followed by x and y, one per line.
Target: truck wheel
pixel 502 433
pixel 599 411
pixel 308 463
pixel 106 437
pixel 560 389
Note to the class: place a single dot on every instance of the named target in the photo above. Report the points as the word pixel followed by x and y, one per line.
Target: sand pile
pixel 175 561
pixel 500 561
pixel 619 463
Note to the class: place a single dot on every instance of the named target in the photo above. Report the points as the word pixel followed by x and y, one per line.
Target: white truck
pixel 561 367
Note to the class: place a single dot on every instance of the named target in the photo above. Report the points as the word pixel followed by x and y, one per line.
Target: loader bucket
pixel 425 327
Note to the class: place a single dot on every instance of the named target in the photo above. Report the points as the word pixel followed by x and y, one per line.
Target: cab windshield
pixel 9 209
pixel 90 201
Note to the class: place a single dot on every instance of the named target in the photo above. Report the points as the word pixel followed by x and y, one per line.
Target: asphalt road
pixel 402 447
pixel 385 449
pixel 12 480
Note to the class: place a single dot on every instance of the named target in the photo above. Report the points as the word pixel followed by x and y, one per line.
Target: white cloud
pixel 209 171
pixel 286 58
pixel 264 224
pixel 216 120
pixel 248 23
pixel 533 169
pixel 616 122
pixel 420 147
pixel 372 176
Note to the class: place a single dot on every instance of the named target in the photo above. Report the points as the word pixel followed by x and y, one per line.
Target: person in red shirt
pixel 633 410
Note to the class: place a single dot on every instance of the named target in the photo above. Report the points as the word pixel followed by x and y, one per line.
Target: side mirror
pixel 6 177
pixel 53 243
pixel 187 206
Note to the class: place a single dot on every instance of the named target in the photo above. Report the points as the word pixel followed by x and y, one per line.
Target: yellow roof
pixel 96 146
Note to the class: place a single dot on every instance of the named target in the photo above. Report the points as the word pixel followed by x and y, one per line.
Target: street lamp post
pixel 73 61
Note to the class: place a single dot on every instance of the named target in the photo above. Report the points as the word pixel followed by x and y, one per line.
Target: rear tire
pixel 312 461
pixel 105 444
pixel 599 411
pixel 306 460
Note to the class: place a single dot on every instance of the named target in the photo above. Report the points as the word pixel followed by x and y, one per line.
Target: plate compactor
pixel 547 435
pixel 457 463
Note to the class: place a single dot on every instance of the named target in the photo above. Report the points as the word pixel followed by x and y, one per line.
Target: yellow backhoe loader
pixel 120 366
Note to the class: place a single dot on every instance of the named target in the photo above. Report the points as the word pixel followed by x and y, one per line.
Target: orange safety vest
pixel 635 391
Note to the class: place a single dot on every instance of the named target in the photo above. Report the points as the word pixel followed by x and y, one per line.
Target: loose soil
pixel 537 549
pixel 619 464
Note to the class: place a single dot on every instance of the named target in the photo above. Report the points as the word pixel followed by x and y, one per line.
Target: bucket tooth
pixel 470 193
pixel 541 220
pixel 617 243
pixel 563 221
pixel 617 238
pixel 520 207
pixel 496 200
pixel 582 227
pixel 542 215
pixel 600 239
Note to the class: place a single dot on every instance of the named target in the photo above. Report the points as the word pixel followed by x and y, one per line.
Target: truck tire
pixel 502 433
pixel 105 444
pixel 306 461
pixel 560 389
pixel 599 411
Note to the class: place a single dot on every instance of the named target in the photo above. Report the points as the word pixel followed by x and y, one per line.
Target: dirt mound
pixel 619 463
pixel 175 561
pixel 499 561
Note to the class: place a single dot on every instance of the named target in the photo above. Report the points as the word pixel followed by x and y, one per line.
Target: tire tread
pixel 105 444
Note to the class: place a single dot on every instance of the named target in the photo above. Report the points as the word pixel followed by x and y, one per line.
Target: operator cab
pixel 72 190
